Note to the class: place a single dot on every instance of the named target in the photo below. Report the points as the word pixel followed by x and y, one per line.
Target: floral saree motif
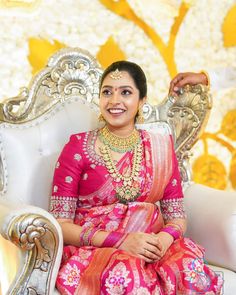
pixel 84 191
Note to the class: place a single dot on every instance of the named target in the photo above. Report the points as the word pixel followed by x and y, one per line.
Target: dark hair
pixel 135 72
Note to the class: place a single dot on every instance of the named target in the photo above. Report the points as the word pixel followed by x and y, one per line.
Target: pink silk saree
pixel 84 191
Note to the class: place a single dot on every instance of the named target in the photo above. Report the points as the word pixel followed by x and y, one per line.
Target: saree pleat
pixel 90 281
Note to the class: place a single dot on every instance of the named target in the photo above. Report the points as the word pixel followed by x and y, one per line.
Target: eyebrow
pixel 123 86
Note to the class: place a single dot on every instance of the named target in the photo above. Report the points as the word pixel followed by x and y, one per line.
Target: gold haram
pixel 116 143
pixel 127 192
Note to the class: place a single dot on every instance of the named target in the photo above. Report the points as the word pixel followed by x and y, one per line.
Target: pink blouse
pixel 81 179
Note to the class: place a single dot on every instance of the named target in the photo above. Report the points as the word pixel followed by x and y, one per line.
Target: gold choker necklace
pixel 119 144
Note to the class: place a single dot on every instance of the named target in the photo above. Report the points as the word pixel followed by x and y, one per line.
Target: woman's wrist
pixel 174 230
pixel 206 78
pixel 91 236
pixel 99 237
pixel 168 236
pixel 114 240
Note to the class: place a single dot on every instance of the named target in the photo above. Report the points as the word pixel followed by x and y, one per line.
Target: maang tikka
pixel 116 75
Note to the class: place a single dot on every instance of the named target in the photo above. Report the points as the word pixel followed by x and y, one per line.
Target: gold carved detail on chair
pixel 70 73
pixel 16 107
pixel 188 116
pixel 31 233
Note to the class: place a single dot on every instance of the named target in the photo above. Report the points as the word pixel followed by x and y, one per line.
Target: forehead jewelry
pixel 116 75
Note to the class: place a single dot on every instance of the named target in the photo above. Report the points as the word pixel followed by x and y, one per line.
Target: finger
pixel 152 255
pixel 146 259
pixel 172 84
pixel 184 81
pixel 154 241
pixel 175 81
pixel 153 249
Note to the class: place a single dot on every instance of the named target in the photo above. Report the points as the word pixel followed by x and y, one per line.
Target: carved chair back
pixel 61 100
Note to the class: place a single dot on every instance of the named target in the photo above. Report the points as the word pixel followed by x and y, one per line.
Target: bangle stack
pixel 86 236
pixel 114 240
pixel 175 230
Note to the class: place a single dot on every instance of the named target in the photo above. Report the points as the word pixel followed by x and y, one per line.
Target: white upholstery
pixel 212 223
pixel 214 212
pixel 229 278
pixel 38 145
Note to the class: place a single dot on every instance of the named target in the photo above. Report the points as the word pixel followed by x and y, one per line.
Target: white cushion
pixel 30 151
pixel 229 278
pixel 211 216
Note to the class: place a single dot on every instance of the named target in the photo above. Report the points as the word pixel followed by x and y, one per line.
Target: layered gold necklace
pixel 117 143
pixel 127 192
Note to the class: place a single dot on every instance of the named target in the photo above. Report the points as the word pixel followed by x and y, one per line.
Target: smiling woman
pixel 105 188
pixel 122 95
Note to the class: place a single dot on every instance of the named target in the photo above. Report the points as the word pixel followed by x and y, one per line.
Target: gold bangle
pixel 208 79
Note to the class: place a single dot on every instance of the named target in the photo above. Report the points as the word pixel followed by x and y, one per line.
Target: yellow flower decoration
pixel 110 52
pixel 209 170
pixel 229 28
pixel 40 51
pixel 122 8
pixel 228 125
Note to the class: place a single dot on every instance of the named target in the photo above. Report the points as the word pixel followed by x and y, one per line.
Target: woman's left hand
pixel 182 79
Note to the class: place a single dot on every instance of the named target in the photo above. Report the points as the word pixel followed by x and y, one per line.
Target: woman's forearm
pixel 72 233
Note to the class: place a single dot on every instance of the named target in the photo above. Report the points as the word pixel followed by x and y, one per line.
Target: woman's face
pixel 119 101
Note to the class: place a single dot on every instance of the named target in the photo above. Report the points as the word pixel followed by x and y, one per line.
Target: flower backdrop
pixel 163 36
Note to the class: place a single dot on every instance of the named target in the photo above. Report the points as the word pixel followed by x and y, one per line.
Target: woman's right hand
pixel 142 245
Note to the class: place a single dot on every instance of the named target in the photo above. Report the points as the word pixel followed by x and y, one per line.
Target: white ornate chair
pixel 61 100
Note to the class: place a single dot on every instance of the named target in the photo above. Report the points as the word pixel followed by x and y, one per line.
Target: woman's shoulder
pixel 80 137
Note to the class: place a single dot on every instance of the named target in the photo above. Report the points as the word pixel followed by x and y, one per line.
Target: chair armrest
pixel 211 216
pixel 38 235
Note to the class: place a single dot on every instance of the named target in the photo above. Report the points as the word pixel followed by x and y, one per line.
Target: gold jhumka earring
pixel 101 118
pixel 140 117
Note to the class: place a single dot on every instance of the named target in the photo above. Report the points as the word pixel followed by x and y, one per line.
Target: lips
pixel 115 111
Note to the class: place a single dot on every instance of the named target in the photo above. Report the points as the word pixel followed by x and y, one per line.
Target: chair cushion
pixel 30 151
pixel 229 278
pixel 212 223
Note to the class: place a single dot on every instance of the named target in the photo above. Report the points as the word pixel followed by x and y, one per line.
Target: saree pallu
pixel 93 271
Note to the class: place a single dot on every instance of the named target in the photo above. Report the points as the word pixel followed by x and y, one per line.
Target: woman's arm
pixel 172 208
pixel 182 79
pixel 72 233
pixel 142 245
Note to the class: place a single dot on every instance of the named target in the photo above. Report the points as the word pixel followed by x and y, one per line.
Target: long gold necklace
pixel 116 143
pixel 127 192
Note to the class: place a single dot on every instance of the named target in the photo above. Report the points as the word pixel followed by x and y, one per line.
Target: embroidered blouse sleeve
pixel 66 180
pixel 172 203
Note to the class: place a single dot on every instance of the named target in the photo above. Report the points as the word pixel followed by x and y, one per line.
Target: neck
pixel 121 131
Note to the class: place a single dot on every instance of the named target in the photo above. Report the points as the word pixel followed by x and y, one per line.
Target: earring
pixel 140 118
pixel 101 118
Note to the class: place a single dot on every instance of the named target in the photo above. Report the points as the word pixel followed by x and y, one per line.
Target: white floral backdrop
pixel 186 36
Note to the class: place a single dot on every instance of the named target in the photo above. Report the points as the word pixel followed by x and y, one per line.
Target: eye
pixel 106 92
pixel 126 92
